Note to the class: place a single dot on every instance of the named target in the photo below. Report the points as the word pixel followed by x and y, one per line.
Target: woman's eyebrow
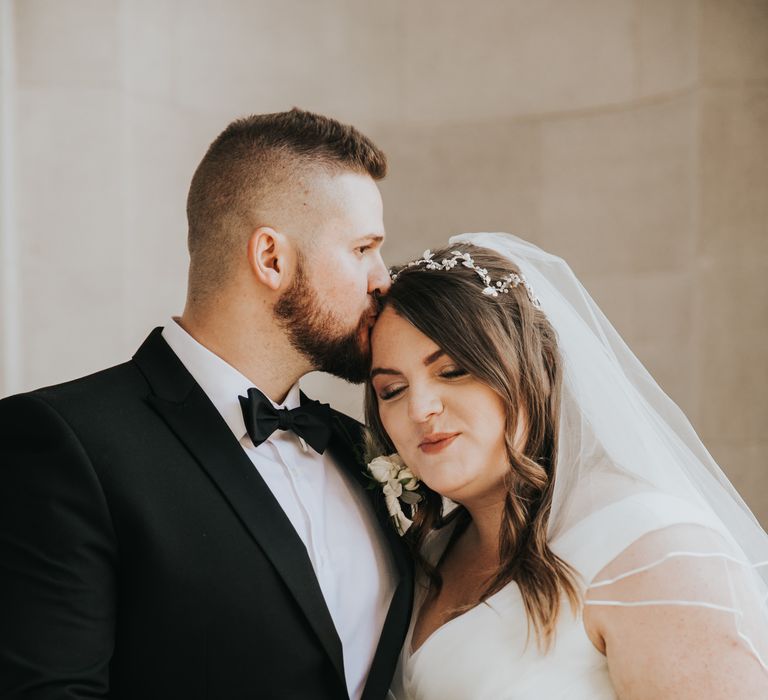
pixel 428 360
pixel 383 370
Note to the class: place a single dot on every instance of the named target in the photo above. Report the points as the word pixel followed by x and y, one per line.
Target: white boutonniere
pixel 398 484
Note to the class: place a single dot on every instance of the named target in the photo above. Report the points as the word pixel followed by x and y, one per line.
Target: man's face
pixel 331 304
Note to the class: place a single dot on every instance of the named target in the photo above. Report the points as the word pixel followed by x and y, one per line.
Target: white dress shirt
pixel 328 510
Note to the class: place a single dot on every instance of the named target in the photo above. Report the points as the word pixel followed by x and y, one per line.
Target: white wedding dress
pixel 634 488
pixel 483 654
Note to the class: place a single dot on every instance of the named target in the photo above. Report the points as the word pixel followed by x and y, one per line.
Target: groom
pixel 188 524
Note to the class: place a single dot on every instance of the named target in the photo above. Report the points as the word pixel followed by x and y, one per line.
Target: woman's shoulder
pixel 601 535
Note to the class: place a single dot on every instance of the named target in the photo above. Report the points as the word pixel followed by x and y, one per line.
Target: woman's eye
pixel 390 392
pixel 455 372
pixel 362 249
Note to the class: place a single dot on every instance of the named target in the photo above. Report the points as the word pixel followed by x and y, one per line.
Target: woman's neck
pixel 482 533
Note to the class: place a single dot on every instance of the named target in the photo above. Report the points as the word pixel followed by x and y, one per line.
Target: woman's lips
pixel 437 442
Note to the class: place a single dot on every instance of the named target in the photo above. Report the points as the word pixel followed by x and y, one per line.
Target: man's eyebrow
pixel 372 237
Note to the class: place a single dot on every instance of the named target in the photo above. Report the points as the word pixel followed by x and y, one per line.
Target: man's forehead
pixel 349 188
pixel 356 214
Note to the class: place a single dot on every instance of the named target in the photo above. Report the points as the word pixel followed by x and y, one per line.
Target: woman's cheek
pixel 391 426
pixel 398 434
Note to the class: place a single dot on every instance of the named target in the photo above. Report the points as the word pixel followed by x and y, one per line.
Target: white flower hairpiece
pixel 491 289
pixel 398 484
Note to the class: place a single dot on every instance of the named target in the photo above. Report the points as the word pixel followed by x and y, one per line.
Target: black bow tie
pixel 310 421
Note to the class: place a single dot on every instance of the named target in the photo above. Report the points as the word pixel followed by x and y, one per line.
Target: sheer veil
pixel 628 456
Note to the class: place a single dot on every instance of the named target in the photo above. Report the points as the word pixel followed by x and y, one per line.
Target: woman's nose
pixel 423 405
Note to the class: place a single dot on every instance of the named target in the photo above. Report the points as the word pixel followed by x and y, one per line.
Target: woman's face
pixel 446 425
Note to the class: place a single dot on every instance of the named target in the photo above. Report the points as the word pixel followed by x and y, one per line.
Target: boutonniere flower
pixel 398 483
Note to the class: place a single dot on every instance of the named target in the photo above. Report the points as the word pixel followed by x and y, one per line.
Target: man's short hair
pixel 251 160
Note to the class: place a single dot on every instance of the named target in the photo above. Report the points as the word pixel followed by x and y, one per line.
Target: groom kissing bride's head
pixel 192 522
pixel 285 215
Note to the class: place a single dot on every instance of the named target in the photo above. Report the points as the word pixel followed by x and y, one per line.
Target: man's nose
pixel 379 279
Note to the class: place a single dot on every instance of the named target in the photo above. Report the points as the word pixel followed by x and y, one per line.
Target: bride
pixel 574 539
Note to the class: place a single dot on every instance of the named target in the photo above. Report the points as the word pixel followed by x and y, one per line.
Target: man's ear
pixel 269 256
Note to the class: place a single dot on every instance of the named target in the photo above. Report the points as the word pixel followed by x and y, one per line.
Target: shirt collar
pixel 220 381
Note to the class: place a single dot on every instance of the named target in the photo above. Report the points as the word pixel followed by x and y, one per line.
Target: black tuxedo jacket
pixel 142 556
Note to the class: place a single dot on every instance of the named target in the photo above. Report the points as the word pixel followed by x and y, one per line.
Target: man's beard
pixel 314 332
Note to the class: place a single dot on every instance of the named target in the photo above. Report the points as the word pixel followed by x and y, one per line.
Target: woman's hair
pixel 507 343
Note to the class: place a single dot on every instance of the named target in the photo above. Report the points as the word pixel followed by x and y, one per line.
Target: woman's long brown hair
pixel 507 343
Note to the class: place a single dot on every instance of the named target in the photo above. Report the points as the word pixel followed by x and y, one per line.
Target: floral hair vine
pixel 398 484
pixel 492 289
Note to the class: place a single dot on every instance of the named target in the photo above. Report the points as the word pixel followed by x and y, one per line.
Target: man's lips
pixel 369 318
pixel 435 442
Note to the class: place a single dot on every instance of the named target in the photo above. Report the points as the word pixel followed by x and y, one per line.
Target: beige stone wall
pixel 628 136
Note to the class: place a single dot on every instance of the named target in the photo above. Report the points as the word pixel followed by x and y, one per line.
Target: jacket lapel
pixel 183 405
pixel 346 448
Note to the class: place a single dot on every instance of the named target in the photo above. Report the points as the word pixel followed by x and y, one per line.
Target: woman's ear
pixel 269 253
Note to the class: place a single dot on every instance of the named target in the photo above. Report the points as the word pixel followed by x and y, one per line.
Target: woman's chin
pixel 468 493
pixel 455 491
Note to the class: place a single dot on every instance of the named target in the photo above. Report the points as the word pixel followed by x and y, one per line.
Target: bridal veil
pixel 629 456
